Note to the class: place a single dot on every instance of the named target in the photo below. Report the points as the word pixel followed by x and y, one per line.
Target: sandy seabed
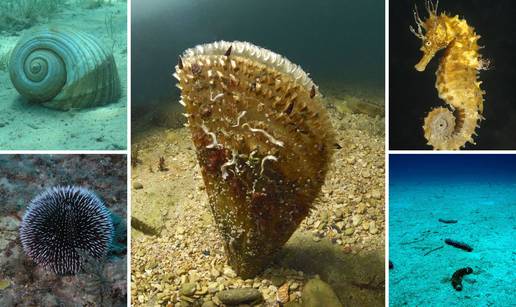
pixel 27 126
pixel 177 246
pixel 485 214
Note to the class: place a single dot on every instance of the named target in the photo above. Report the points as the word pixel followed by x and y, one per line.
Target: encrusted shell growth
pixel 62 68
pixel 263 140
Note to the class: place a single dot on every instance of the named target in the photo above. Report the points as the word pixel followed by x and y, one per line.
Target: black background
pixel 412 94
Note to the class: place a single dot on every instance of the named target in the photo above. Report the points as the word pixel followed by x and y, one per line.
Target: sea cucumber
pixel 456 279
pixel 448 221
pixel 460 245
pixel 456 82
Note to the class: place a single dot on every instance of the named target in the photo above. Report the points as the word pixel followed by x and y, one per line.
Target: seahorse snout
pixel 424 61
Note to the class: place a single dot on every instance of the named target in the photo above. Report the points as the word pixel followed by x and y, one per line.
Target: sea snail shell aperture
pixel 63 69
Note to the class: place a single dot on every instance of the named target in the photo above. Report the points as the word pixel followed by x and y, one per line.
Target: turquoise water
pixel 479 191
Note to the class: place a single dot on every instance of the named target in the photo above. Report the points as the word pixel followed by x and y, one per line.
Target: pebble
pixel 137 185
pixel 361 208
pixel 228 272
pixel 356 219
pixel 365 225
pixel 318 293
pixel 376 194
pixel 282 295
pixel 372 227
pixel 209 304
pixel 294 286
pixel 4 284
pixel 278 280
pixel 213 287
pixel 215 273
pixel 188 289
pixel 239 296
pixel 349 231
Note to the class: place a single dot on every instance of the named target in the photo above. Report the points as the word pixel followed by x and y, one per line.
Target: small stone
pixel 316 224
pixel 228 272
pixel 366 174
pixel 324 217
pixel 137 185
pixel 294 286
pixel 193 276
pixel 282 295
pixel 365 225
pixel 4 284
pixel 372 228
pixel 209 304
pixel 180 230
pixel 318 293
pixel 349 231
pixel 278 280
pixel 239 296
pixel 213 287
pixel 340 225
pixel 356 220
pixel 215 273
pixel 188 289
pixel 376 194
pixel 361 208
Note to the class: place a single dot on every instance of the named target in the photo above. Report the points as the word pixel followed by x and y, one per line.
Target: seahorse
pixel 457 78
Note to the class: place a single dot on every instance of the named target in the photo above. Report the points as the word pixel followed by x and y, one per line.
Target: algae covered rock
pixel 240 296
pixel 318 293
pixel 263 141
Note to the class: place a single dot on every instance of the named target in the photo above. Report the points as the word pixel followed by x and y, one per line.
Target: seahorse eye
pixel 428 43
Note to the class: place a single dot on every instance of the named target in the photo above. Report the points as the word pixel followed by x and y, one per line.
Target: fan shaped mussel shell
pixel 62 68
pixel 263 141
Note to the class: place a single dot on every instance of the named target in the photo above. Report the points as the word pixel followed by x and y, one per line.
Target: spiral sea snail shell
pixel 62 68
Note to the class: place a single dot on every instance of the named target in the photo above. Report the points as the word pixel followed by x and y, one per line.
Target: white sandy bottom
pixel 485 215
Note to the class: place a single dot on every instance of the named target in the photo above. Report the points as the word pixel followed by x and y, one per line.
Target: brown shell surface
pixel 264 145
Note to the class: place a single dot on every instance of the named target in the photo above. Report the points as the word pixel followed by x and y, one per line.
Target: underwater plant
pixel 263 141
pixel 456 81
pixel 62 223
pixel 64 69
pixel 16 15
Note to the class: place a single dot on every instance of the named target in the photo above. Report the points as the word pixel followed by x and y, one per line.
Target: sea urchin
pixel 60 223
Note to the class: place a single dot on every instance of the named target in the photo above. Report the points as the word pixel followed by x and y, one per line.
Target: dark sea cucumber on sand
pixel 456 279
pixel 460 245
pixel 447 221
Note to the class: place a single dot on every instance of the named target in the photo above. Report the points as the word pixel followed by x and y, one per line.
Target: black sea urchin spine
pixel 62 223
